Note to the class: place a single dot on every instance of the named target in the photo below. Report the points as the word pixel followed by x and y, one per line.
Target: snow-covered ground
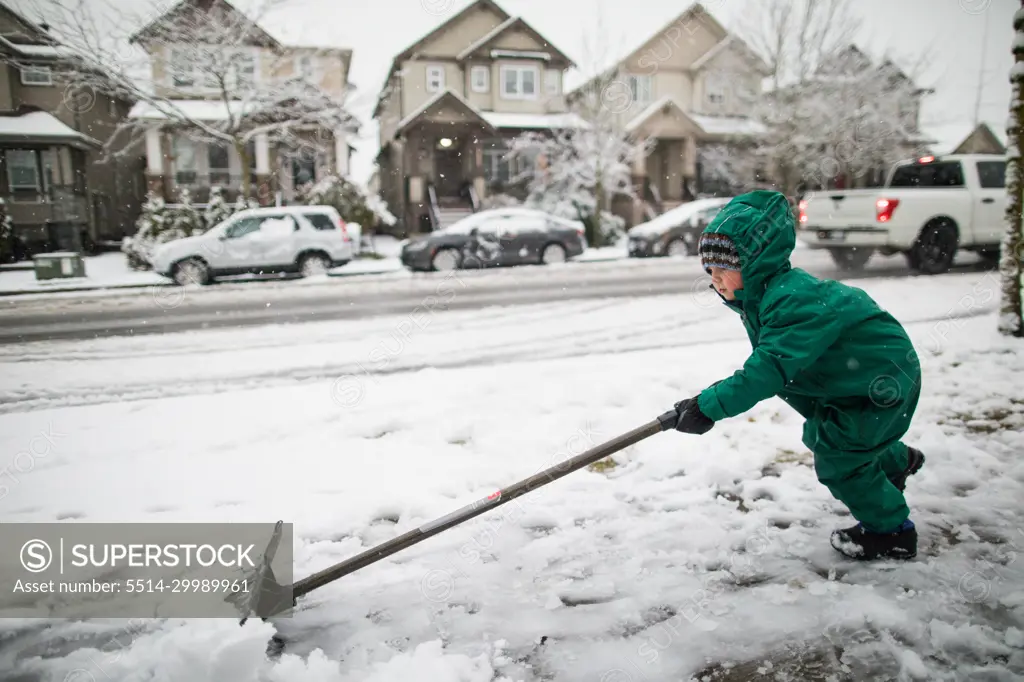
pixel 691 556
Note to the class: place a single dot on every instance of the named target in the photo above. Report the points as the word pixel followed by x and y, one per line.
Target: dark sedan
pixel 496 238
pixel 676 231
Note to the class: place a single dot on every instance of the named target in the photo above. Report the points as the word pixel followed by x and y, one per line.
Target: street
pixel 171 309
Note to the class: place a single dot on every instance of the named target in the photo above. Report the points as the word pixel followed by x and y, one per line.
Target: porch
pixel 43 182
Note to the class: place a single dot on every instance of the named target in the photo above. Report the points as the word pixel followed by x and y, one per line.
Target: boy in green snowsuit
pixel 832 354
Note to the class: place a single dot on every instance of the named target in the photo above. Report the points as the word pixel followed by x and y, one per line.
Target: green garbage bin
pixel 63 264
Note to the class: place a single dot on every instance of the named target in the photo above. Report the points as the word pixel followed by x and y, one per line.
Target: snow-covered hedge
pixel 159 223
pixel 353 202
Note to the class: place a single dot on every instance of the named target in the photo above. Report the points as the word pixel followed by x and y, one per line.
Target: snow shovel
pixel 269 598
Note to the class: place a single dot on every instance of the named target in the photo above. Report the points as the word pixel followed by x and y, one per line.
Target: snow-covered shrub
pixel 243 203
pixel 6 233
pixel 354 203
pixel 152 223
pixel 185 218
pixel 218 209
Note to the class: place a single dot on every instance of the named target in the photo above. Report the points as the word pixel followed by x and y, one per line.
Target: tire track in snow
pixel 16 401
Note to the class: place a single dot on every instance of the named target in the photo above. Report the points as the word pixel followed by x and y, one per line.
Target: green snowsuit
pixel 830 352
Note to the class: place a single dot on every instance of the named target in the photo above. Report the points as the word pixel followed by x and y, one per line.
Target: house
pixel 450 102
pixel 851 80
pixel 57 189
pixel 233 85
pixel 961 138
pixel 688 86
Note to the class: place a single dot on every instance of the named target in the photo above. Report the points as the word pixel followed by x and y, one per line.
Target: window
pixel 321 221
pixel 36 75
pixel 22 169
pixel 552 82
pixel 496 167
pixel 480 78
pixel 519 82
pixel 244 64
pixel 992 174
pixel 640 87
pixel 942 174
pixel 181 69
pixel 303 170
pixel 435 78
pixel 305 66
pixel 218 160
pixel 185 161
pixel 715 89
pixel 243 227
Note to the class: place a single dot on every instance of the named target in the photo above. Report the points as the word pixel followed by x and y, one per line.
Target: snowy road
pixel 162 309
pixel 701 556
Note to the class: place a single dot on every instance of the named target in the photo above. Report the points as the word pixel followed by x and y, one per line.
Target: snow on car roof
pixel 673 217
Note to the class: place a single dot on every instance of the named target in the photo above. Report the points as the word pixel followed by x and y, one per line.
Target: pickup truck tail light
pixel 803 210
pixel 344 231
pixel 884 209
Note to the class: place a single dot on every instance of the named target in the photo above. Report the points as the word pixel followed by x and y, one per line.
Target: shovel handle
pixel 664 422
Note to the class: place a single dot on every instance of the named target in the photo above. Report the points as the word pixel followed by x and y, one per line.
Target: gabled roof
pixel 409 51
pixel 696 8
pixel 37 31
pixel 42 126
pixel 183 7
pixel 510 24
pixel 446 94
pixel 721 46
pixel 727 126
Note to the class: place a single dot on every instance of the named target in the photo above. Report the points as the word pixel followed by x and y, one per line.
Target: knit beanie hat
pixel 717 250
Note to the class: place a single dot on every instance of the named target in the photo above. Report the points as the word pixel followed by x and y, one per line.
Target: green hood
pixel 761 226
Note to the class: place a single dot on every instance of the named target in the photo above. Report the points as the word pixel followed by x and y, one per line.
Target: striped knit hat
pixel 717 250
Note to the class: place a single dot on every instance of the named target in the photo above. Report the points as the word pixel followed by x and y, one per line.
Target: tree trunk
pixel 243 155
pixel 1011 314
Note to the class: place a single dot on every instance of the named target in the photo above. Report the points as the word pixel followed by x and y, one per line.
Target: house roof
pixel 510 24
pixel 709 125
pixel 37 51
pixel 41 126
pixel 446 94
pixel 947 137
pixel 533 121
pixel 611 67
pixel 40 34
pixel 721 46
pixel 182 6
pixel 409 51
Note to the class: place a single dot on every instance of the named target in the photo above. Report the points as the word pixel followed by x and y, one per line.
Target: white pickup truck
pixel 928 209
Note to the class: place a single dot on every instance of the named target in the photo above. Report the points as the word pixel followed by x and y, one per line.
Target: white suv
pixel 305 239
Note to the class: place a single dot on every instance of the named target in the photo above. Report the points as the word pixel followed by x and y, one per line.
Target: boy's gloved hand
pixel 691 419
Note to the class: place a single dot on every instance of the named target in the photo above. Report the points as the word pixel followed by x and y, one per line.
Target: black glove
pixel 691 419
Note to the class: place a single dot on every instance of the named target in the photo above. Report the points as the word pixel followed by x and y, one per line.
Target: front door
pixel 448 170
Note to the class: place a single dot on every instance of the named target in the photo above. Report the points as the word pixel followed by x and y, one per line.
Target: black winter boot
pixel 915 460
pixel 858 543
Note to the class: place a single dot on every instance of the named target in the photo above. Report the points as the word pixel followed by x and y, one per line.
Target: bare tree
pixel 830 111
pixel 1011 318
pixel 199 51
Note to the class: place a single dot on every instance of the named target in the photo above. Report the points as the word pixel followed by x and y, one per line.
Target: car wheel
pixel 553 253
pixel 314 264
pixel 935 248
pixel 192 272
pixel 677 247
pixel 851 259
pixel 446 260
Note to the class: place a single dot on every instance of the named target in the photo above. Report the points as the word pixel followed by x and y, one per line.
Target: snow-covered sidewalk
pixel 687 558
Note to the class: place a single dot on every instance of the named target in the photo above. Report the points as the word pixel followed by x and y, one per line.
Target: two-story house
pixel 451 101
pixel 58 190
pixel 200 83
pixel 690 84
